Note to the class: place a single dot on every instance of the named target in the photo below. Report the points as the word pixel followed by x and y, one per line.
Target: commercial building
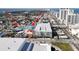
pixel 77 19
pixel 45 28
pixel 56 14
pixel 22 44
pixel 63 15
pixel 72 19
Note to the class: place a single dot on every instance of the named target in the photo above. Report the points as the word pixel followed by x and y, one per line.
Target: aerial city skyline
pixel 44 29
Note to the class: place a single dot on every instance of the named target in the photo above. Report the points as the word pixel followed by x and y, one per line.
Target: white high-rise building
pixel 71 19
pixel 63 15
pixel 77 19
pixel 56 14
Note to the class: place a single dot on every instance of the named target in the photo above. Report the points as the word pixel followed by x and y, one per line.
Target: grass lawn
pixel 63 46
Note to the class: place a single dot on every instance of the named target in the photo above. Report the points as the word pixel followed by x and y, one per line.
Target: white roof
pixel 75 26
pixel 11 44
pixel 75 31
pixel 43 26
pixel 42 47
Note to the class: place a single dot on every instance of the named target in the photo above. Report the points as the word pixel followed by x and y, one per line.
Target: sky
pixel 76 10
